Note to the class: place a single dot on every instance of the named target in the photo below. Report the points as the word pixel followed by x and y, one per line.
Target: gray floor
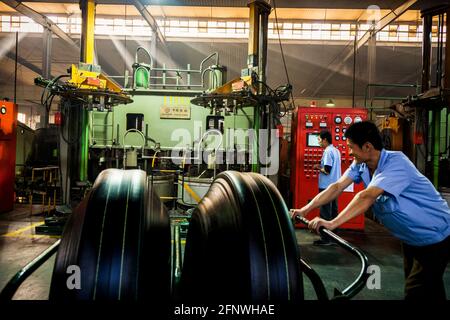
pixel 337 268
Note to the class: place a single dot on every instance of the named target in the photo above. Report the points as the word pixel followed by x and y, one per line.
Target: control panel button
pixel 337 130
pixel 323 124
pixel 309 124
pixel 347 120
pixel 337 120
pixel 358 119
pixel 344 138
pixel 337 138
pixel 3 110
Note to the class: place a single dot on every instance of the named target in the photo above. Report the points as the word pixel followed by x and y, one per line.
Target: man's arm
pixel 327 195
pixel 325 170
pixel 359 204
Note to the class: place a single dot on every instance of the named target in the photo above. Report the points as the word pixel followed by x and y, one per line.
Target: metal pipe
pixel 136 58
pixel 178 264
pixel 15 67
pixel 317 283
pixel 203 77
pixel 387 85
pixel 426 52
pixel 123 143
pixel 436 115
pixel 360 282
pixel 354 67
pixel 209 57
pixel 439 50
pixel 174 85
pixel 146 134
pixel 11 287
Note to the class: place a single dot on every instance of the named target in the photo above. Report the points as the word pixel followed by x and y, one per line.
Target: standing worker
pixel 405 202
pixel 330 172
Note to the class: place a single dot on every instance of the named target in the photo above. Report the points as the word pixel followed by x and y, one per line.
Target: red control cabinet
pixel 8 125
pixel 307 122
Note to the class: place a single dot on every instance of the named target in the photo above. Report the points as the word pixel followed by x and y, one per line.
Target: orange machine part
pixel 307 123
pixel 8 125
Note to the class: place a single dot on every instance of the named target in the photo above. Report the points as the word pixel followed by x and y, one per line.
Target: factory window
pixel 412 30
pixel 22 117
pixel 353 28
pixel 297 28
pixel 134 121
pixel 393 31
pixel 223 28
pixel 203 26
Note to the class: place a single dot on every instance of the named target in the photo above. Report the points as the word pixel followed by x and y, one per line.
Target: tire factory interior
pixel 173 151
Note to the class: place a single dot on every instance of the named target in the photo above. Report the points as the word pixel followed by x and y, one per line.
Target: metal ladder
pixel 104 138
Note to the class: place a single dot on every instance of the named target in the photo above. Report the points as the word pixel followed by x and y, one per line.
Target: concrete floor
pixel 337 268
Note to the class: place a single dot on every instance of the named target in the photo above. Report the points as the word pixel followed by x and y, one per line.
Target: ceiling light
pixel 330 103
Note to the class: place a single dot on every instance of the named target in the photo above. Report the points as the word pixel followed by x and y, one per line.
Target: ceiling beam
pixel 150 20
pixel 351 50
pixel 42 20
pixel 309 4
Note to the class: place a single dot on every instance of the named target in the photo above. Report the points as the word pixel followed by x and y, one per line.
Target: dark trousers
pixel 329 211
pixel 424 270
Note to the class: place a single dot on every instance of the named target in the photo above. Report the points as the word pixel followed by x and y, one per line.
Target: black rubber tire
pixel 241 245
pixel 119 236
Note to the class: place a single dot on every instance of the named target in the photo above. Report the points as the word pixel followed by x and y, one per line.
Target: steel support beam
pixel 46 63
pixel 40 19
pixel 372 63
pixel 150 20
pixel 420 151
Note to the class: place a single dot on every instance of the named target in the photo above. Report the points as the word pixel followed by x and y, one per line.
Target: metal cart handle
pixel 360 282
pixel 11 287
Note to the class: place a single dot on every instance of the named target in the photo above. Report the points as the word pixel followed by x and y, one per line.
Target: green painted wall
pixel 161 129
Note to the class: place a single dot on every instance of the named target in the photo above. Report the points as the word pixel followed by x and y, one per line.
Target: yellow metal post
pixel 88 23
pixel 253 40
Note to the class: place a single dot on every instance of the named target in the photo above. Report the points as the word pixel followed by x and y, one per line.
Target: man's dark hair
pixel 365 131
pixel 325 134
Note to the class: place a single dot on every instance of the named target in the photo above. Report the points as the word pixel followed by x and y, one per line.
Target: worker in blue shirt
pixel 329 172
pixel 405 202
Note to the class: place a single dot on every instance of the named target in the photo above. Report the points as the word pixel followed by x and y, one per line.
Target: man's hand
pixel 316 166
pixel 297 212
pixel 317 222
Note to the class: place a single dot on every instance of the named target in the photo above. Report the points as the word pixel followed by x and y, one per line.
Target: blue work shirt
pixel 410 207
pixel 330 157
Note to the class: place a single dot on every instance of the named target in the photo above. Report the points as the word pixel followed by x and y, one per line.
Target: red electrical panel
pixel 307 122
pixel 8 125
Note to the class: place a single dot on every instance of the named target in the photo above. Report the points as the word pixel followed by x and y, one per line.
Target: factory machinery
pixel 165 164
